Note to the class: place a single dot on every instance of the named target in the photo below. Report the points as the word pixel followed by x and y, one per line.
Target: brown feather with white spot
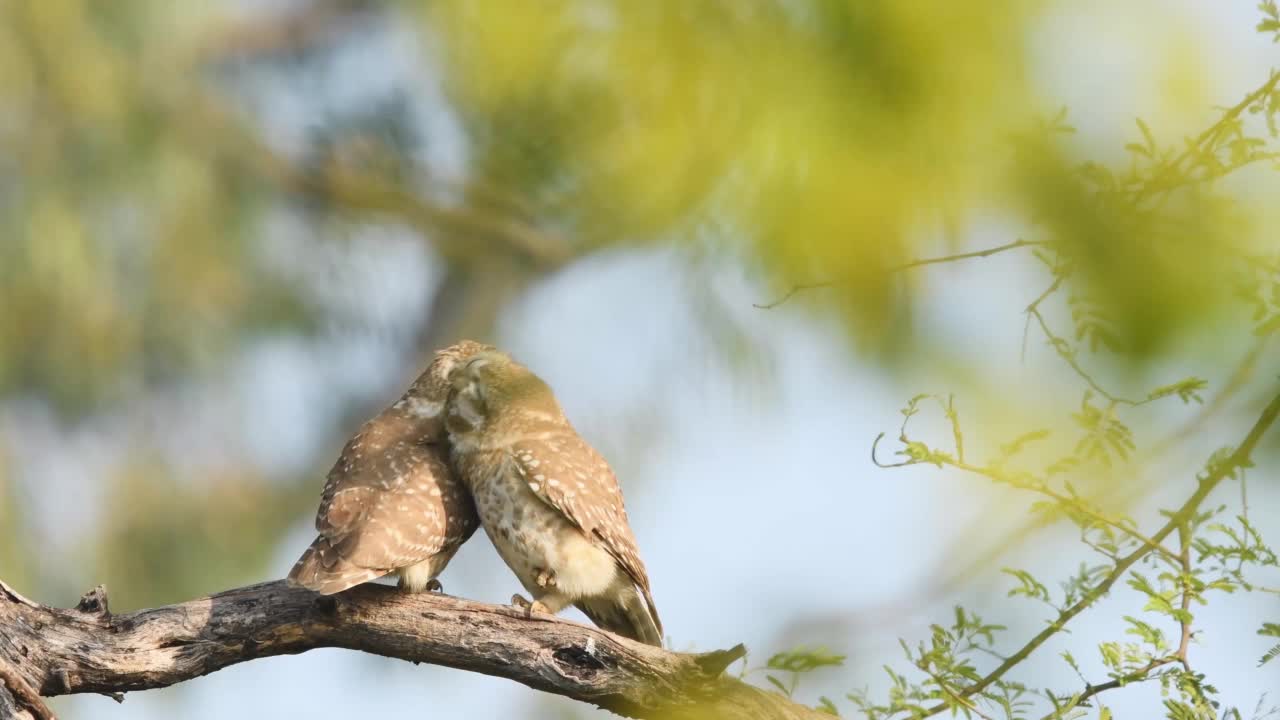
pixel 392 502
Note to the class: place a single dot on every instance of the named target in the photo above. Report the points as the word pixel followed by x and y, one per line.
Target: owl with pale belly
pixel 548 501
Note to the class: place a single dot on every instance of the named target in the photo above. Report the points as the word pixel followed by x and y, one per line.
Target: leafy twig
pixel 1179 656
pixel 1228 117
pixel 958 699
pixel 1063 349
pixel 1139 675
pixel 1240 458
pixel 1012 480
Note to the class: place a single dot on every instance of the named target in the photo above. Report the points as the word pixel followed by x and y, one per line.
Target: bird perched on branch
pixel 548 501
pixel 392 502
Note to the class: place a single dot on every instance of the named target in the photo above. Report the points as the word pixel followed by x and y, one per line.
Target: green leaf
pixel 1187 390
pixel 801 660
pixel 1110 652
pixel 1270 655
pixel 1029 586
pixel 1071 660
pixel 1018 443
pixel 826 706
pixel 1149 634
pixel 778 684
pixel 1146 133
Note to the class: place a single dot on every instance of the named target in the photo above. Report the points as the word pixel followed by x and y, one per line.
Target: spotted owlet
pixel 392 502
pixel 546 498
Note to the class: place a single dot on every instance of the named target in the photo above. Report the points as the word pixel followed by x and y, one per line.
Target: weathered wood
pixel 18 700
pixel 90 650
pixel 9 707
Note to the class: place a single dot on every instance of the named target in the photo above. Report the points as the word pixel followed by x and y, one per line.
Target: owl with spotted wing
pixel 392 502
pixel 548 501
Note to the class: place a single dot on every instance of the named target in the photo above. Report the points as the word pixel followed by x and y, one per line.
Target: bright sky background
pixel 749 484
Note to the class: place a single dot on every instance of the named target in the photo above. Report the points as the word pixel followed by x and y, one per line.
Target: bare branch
pixel 89 650
pixel 1019 243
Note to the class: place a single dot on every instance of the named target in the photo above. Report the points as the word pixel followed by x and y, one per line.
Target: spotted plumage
pixel 547 499
pixel 392 502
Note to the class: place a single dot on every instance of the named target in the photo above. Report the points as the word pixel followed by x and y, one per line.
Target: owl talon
pixel 546 578
pixel 434 586
pixel 529 608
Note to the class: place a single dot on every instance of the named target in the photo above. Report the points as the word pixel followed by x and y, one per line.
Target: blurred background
pixel 232 231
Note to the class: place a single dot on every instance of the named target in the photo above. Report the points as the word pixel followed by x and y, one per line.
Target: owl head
pixel 492 392
pixel 433 384
pixel 425 399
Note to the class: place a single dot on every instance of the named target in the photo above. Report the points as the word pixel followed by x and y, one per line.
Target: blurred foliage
pixel 164 542
pixel 13 558
pixel 828 135
pixel 794 663
pixel 825 141
pixel 125 260
pixel 820 132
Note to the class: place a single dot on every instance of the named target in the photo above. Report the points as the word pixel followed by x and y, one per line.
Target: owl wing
pixel 569 475
pixel 383 510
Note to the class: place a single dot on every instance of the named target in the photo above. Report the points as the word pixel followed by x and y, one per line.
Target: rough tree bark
pixel 50 651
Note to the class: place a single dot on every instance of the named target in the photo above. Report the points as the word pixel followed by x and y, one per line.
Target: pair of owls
pixel 478 439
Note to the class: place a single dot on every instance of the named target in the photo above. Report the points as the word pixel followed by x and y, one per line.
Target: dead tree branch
pixel 89 650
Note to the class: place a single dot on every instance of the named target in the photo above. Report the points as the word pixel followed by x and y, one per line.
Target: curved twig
pixel 1019 243
pixel 876 443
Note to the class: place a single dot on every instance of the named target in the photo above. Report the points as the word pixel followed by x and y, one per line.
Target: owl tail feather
pixel 321 569
pixel 653 611
pixel 625 614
